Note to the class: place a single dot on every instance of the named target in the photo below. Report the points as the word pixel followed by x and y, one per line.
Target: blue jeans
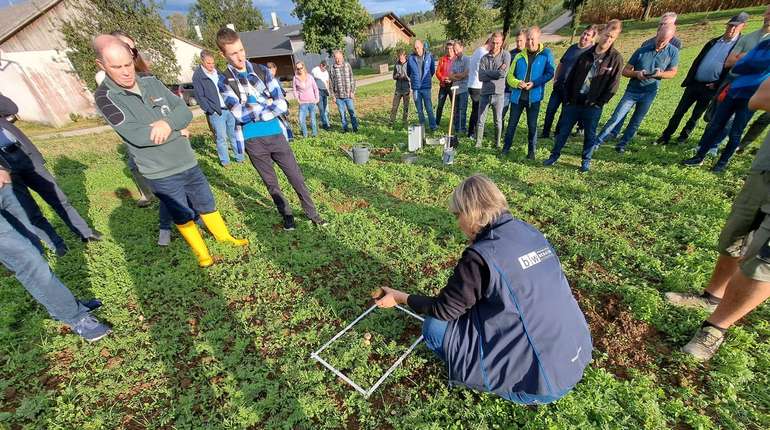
pixel 347 104
pixel 422 101
pixel 433 330
pixel 571 115
pixel 532 109
pixel 305 110
pixel 22 258
pixel 224 128
pixel 461 110
pixel 641 100
pixel 323 104
pixel 738 109
pixel 185 194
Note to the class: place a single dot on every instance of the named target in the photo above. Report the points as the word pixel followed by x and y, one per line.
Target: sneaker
pixel 94 237
pixel 61 250
pixel 288 223
pixel 92 304
pixel 320 222
pixel 705 343
pixel 90 329
pixel 718 168
pixel 585 166
pixel 689 300
pixel 164 237
pixel 693 161
pixel 550 161
pixel 620 149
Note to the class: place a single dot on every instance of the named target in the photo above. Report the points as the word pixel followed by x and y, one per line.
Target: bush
pixel 596 11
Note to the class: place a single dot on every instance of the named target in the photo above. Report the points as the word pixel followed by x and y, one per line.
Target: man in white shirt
pixel 474 85
pixel 321 75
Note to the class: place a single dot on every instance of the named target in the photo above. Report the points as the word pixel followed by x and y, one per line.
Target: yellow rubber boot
pixel 193 238
pixel 217 227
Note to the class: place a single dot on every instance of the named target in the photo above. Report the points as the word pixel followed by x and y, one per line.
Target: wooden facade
pixel 386 32
pixel 42 33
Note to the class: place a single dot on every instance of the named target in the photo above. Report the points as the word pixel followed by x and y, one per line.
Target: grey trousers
pixel 399 98
pixel 263 152
pixel 494 102
pixel 20 256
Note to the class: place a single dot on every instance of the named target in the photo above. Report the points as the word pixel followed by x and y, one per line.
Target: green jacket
pixel 131 115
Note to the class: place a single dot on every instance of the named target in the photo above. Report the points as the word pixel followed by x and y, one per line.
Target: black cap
pixel 741 18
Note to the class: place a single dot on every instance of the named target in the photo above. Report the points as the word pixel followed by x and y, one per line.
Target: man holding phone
pixel 647 66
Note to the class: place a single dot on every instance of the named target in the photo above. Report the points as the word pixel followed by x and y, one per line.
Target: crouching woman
pixel 506 322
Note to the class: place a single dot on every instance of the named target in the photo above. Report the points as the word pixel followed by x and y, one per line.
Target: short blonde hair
pixel 479 200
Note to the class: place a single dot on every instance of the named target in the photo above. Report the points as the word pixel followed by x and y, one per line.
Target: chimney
pixel 231 26
pixel 275 20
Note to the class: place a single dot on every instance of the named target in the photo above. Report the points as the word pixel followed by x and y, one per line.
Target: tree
pixel 211 15
pixel 138 18
pixel 177 22
pixel 325 23
pixel 647 9
pixel 576 8
pixel 465 18
pixel 511 11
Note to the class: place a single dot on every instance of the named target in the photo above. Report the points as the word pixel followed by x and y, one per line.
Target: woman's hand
pixel 391 298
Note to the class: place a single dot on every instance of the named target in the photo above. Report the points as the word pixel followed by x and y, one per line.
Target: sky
pixel 283 7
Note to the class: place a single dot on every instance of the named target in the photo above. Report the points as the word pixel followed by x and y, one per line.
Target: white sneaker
pixel 705 343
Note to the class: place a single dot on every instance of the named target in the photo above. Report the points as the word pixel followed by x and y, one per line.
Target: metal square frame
pixel 366 393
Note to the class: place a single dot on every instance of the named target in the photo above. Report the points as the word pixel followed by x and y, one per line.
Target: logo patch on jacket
pixel 535 257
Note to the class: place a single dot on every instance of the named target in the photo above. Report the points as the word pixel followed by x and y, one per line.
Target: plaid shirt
pixel 342 82
pixel 258 101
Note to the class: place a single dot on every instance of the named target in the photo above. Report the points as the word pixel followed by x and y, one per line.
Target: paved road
pixel 549 30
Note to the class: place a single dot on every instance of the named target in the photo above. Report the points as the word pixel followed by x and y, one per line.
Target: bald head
pixel 418 47
pixel 114 57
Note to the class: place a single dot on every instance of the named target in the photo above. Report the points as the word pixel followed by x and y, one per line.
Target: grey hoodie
pixel 491 77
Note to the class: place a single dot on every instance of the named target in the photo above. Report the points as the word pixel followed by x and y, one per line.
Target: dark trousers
pixel 185 195
pixel 571 115
pixel 263 152
pixel 554 101
pixel 755 130
pixel 475 96
pixel 443 93
pixel 532 110
pixel 696 94
pixel 710 139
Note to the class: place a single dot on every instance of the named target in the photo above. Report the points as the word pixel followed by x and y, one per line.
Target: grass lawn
pixel 229 347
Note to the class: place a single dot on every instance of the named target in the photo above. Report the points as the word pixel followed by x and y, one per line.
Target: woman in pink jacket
pixel 306 92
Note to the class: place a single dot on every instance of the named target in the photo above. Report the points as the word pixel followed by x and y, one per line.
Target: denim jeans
pixel 554 101
pixel 496 102
pixel 640 101
pixel 422 101
pixel 185 194
pixel 443 94
pixel 305 110
pixel 16 215
pixel 433 330
pixel 533 110
pixel 22 258
pixel 571 115
pixel 739 107
pixel 342 106
pixel 323 107
pixel 224 128
pixel 461 110
pixel 42 228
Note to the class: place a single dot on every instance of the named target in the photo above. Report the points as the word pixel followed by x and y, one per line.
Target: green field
pixel 229 347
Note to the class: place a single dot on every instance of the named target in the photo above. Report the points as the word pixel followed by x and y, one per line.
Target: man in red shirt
pixel 443 72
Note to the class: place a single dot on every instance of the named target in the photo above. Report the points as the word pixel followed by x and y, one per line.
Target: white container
pixel 415 138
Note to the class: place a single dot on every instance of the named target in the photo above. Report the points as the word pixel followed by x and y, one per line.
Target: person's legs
pixel 589 116
pixel 343 121
pixel 230 126
pixel 351 106
pixel 689 97
pixel 394 108
pixel 484 105
pixel 711 137
pixel 43 183
pixel 302 116
pixel 443 93
pixel 426 98
pixel 533 110
pixel 260 155
pixel 284 157
pixel 474 95
pixel 323 103
pixel 313 119
pixel 756 129
pixel 701 104
pixel 145 190
pixel 514 115
pixel 219 125
pixel 461 108
pixel 418 105
pixel 643 104
pixel 554 101
pixel 618 115
pixel 406 108
pixel 740 120
pixel 498 101
pixel 569 117
pixel 201 199
pixel 433 330
pixel 42 227
pixel 14 213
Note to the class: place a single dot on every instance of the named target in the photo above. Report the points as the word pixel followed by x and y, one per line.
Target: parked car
pixel 185 92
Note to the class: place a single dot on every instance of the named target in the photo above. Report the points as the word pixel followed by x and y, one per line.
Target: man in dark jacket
pixel 29 172
pixel 402 91
pixel 592 82
pixel 703 79
pixel 421 69
pixel 205 81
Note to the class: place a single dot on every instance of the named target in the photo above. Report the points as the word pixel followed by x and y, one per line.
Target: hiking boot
pixel 705 343
pixel 585 166
pixel 693 161
pixel 690 301
pixel 320 222
pixel 550 161
pixel 90 329
pixel 288 223
pixel 164 237
pixel 719 167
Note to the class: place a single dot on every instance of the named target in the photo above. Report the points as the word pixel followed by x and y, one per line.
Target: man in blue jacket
pixel 530 70
pixel 222 121
pixel 749 72
pixel 420 69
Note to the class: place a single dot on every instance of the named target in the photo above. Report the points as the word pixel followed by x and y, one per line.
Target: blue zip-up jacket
pixel 421 79
pixel 751 70
pixel 526 337
pixel 206 92
pixel 542 71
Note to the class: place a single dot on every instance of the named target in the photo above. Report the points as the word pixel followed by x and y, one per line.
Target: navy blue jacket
pixel 526 335
pixel 421 79
pixel 206 92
